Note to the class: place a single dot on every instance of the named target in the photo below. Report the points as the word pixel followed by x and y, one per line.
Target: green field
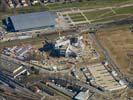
pixel 77 17
pixel 103 15
pixel 96 14
pixel 84 4
pixel 111 18
pixel 120 14
pixel 126 10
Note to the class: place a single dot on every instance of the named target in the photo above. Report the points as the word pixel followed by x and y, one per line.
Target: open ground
pixel 103 15
pixel 118 41
pixel 59 6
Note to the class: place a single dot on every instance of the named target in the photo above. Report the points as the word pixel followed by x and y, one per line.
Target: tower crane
pixel 59 27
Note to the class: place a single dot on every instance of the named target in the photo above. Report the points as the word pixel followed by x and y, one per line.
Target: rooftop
pixel 33 20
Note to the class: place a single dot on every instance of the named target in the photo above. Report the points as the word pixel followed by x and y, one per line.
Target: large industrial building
pixel 30 21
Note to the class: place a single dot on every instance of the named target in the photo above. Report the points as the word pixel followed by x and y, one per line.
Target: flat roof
pixel 33 20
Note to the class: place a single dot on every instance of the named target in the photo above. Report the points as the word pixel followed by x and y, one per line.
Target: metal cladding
pixel 30 21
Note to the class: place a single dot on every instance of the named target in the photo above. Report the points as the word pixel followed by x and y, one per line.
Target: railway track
pixel 18 89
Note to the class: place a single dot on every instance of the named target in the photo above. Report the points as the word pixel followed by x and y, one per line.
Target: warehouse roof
pixel 33 20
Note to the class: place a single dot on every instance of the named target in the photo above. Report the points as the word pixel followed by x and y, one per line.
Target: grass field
pixel 88 4
pixel 103 15
pixel 111 18
pixel 96 14
pixel 93 15
pixel 118 41
pixel 77 17
pixel 127 10
pixel 54 6
pixel 120 13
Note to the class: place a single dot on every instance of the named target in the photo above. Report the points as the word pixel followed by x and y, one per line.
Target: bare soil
pixel 118 41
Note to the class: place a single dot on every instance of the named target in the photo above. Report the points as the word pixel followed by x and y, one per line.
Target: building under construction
pixel 73 47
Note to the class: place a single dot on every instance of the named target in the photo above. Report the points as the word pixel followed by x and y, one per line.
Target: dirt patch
pixel 118 42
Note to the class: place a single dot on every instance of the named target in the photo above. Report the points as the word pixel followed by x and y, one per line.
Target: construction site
pixel 61 64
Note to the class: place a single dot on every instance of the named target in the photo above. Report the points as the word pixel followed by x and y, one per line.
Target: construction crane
pixel 59 27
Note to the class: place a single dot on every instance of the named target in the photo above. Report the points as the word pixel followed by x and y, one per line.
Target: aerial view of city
pixel 66 49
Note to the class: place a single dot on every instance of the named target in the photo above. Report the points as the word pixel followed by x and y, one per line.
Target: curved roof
pixel 33 20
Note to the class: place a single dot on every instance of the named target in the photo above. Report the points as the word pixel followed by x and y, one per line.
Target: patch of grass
pixel 87 4
pixel 82 5
pixel 108 14
pixel 110 18
pixel 95 14
pixel 77 17
pixel 31 9
pixel 103 15
pixel 55 6
pixel 125 10
pixel 117 44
